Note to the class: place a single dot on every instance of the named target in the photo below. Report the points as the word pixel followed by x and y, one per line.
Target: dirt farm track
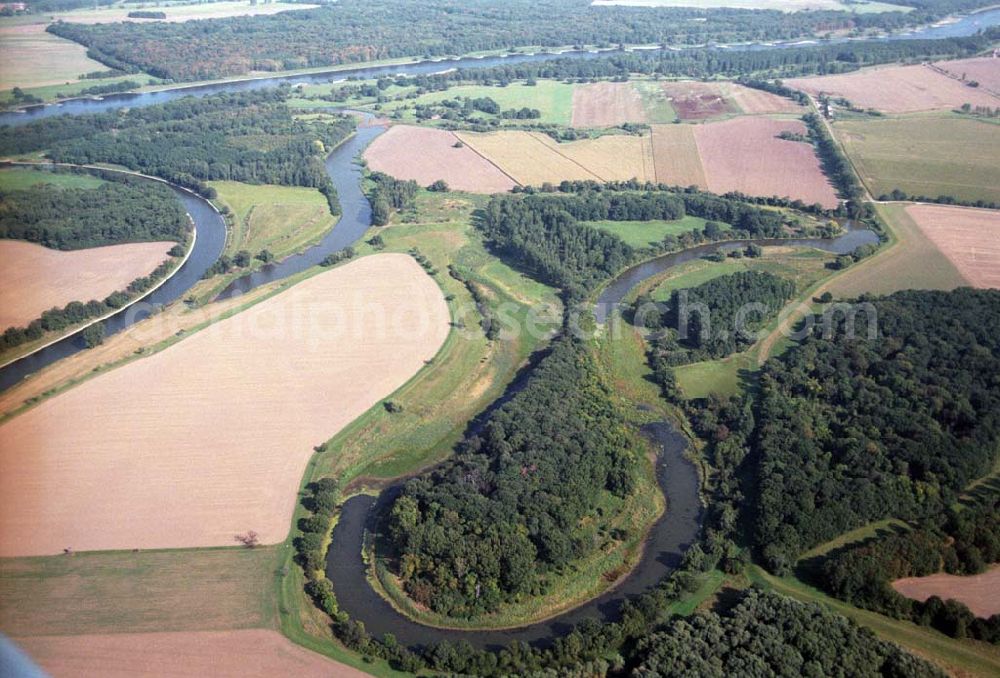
pixel 210 437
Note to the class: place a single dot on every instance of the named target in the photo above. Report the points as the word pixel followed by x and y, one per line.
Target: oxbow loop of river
pixel 669 536
pixel 668 539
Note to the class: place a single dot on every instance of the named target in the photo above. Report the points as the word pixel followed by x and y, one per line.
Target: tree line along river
pixel 669 536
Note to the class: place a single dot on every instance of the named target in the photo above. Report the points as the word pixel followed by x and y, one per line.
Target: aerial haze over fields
pixel 477 337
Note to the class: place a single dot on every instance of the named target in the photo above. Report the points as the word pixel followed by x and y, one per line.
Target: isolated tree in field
pixel 250 539
pixel 439 186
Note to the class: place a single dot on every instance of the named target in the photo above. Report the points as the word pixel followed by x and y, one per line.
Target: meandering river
pixel 678 478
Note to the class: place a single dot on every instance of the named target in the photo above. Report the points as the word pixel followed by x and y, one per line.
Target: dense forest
pixel 126 210
pixel 483 527
pixel 545 239
pixel 961 541
pixel 707 63
pixel 354 31
pixel 712 320
pixel 768 634
pixel 250 137
pixel 853 429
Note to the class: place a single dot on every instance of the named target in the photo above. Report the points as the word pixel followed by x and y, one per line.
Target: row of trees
pixel 353 31
pixel 120 211
pixel 708 63
pixel 248 136
pixel 888 409
pixel 76 312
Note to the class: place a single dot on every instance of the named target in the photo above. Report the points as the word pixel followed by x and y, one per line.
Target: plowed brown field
pixel 984 70
pixel 210 437
pixel 897 89
pixel 35 278
pixel 606 104
pixel 744 154
pixel 698 100
pixel 979 592
pixel 426 155
pixel 969 238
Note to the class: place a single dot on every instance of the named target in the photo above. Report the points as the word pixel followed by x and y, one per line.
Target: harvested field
pixel 675 156
pixel 984 70
pixel 606 104
pixel 897 89
pixel 913 262
pixel 33 278
pixel 251 652
pixel 926 156
pixel 181 12
pixel 533 158
pixel 979 592
pixel 744 154
pixel 30 57
pixel 698 100
pixel 969 238
pixel 526 157
pixel 754 101
pixel 426 155
pixel 210 437
pixel 610 158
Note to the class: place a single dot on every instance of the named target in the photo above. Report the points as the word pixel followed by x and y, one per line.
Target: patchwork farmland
pixel 743 154
pixel 315 357
pixel 426 155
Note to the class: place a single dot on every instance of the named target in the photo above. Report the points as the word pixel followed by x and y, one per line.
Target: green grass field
pixel 282 219
pixel 552 98
pixel 645 233
pixel 924 155
pixel 654 100
pixel 18 178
